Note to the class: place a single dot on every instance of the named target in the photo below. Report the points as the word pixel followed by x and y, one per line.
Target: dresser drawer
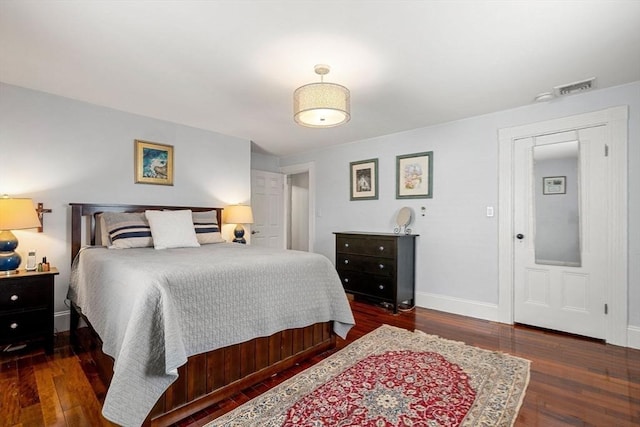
pixel 374 246
pixel 365 284
pixel 366 264
pixel 21 295
pixel 24 324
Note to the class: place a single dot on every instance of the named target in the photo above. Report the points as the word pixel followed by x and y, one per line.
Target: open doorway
pixel 298 211
pixel 300 206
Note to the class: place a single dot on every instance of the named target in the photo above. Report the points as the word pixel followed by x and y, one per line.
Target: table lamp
pixel 15 214
pixel 238 214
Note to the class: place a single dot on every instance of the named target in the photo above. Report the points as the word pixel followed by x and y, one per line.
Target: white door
pixel 560 220
pixel 267 203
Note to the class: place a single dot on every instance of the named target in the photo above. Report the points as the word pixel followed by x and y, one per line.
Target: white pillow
pixel 172 229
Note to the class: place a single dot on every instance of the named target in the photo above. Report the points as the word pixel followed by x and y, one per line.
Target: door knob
pixel 519 236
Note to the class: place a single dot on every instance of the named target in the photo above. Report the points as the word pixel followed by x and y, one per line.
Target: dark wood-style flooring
pixel 574 381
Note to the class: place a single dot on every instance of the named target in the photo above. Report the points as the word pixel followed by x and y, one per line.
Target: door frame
pixel 615 119
pixel 309 168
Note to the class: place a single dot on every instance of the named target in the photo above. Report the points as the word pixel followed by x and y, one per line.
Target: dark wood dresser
pixel 26 307
pixel 377 266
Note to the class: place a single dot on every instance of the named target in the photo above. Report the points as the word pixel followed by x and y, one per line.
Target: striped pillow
pixel 206 226
pixel 101 233
pixel 128 230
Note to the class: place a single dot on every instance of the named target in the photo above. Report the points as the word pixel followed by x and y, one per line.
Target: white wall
pixel 57 151
pixel 457 253
pixel 264 162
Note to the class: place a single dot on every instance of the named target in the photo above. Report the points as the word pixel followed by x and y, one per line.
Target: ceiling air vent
pixel 571 88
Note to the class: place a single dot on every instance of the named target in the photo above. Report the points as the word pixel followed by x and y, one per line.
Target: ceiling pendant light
pixel 321 105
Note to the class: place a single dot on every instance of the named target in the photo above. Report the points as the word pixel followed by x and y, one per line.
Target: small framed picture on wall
pixel 554 185
pixel 153 163
pixel 414 176
pixel 364 180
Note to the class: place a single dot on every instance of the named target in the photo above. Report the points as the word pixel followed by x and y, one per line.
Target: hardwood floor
pixel 574 381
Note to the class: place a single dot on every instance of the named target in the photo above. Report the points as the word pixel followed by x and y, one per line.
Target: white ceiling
pixel 232 66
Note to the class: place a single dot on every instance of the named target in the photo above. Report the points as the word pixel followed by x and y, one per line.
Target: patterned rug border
pixel 490 373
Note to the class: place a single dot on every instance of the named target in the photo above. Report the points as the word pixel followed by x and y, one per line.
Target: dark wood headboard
pixel 88 210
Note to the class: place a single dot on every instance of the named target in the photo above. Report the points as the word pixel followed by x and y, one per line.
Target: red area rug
pixel 393 377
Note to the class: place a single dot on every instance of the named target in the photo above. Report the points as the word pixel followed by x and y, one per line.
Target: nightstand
pixel 26 307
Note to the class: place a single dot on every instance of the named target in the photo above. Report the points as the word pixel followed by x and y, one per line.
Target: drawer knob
pixel 346 245
pixel 14 298
pixel 346 261
pixel 13 326
pixel 381 266
pixel 381 287
pixel 346 280
pixel 381 248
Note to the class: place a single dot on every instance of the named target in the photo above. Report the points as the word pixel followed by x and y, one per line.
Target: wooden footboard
pixel 209 377
pixel 219 374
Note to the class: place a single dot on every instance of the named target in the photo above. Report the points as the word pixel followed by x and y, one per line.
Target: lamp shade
pixel 320 105
pixel 17 214
pixel 238 214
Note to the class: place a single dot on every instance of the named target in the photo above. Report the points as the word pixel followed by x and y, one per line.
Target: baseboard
pixel 633 337
pixel 61 320
pixel 463 307
pixel 486 311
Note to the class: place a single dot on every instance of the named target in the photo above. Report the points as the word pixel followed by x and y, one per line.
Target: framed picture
pixel 554 185
pixel 153 163
pixel 364 180
pixel 414 176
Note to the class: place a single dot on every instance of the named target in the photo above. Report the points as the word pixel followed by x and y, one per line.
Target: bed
pixel 178 329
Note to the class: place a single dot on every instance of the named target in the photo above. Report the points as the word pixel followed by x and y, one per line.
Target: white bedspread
pixel 152 315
